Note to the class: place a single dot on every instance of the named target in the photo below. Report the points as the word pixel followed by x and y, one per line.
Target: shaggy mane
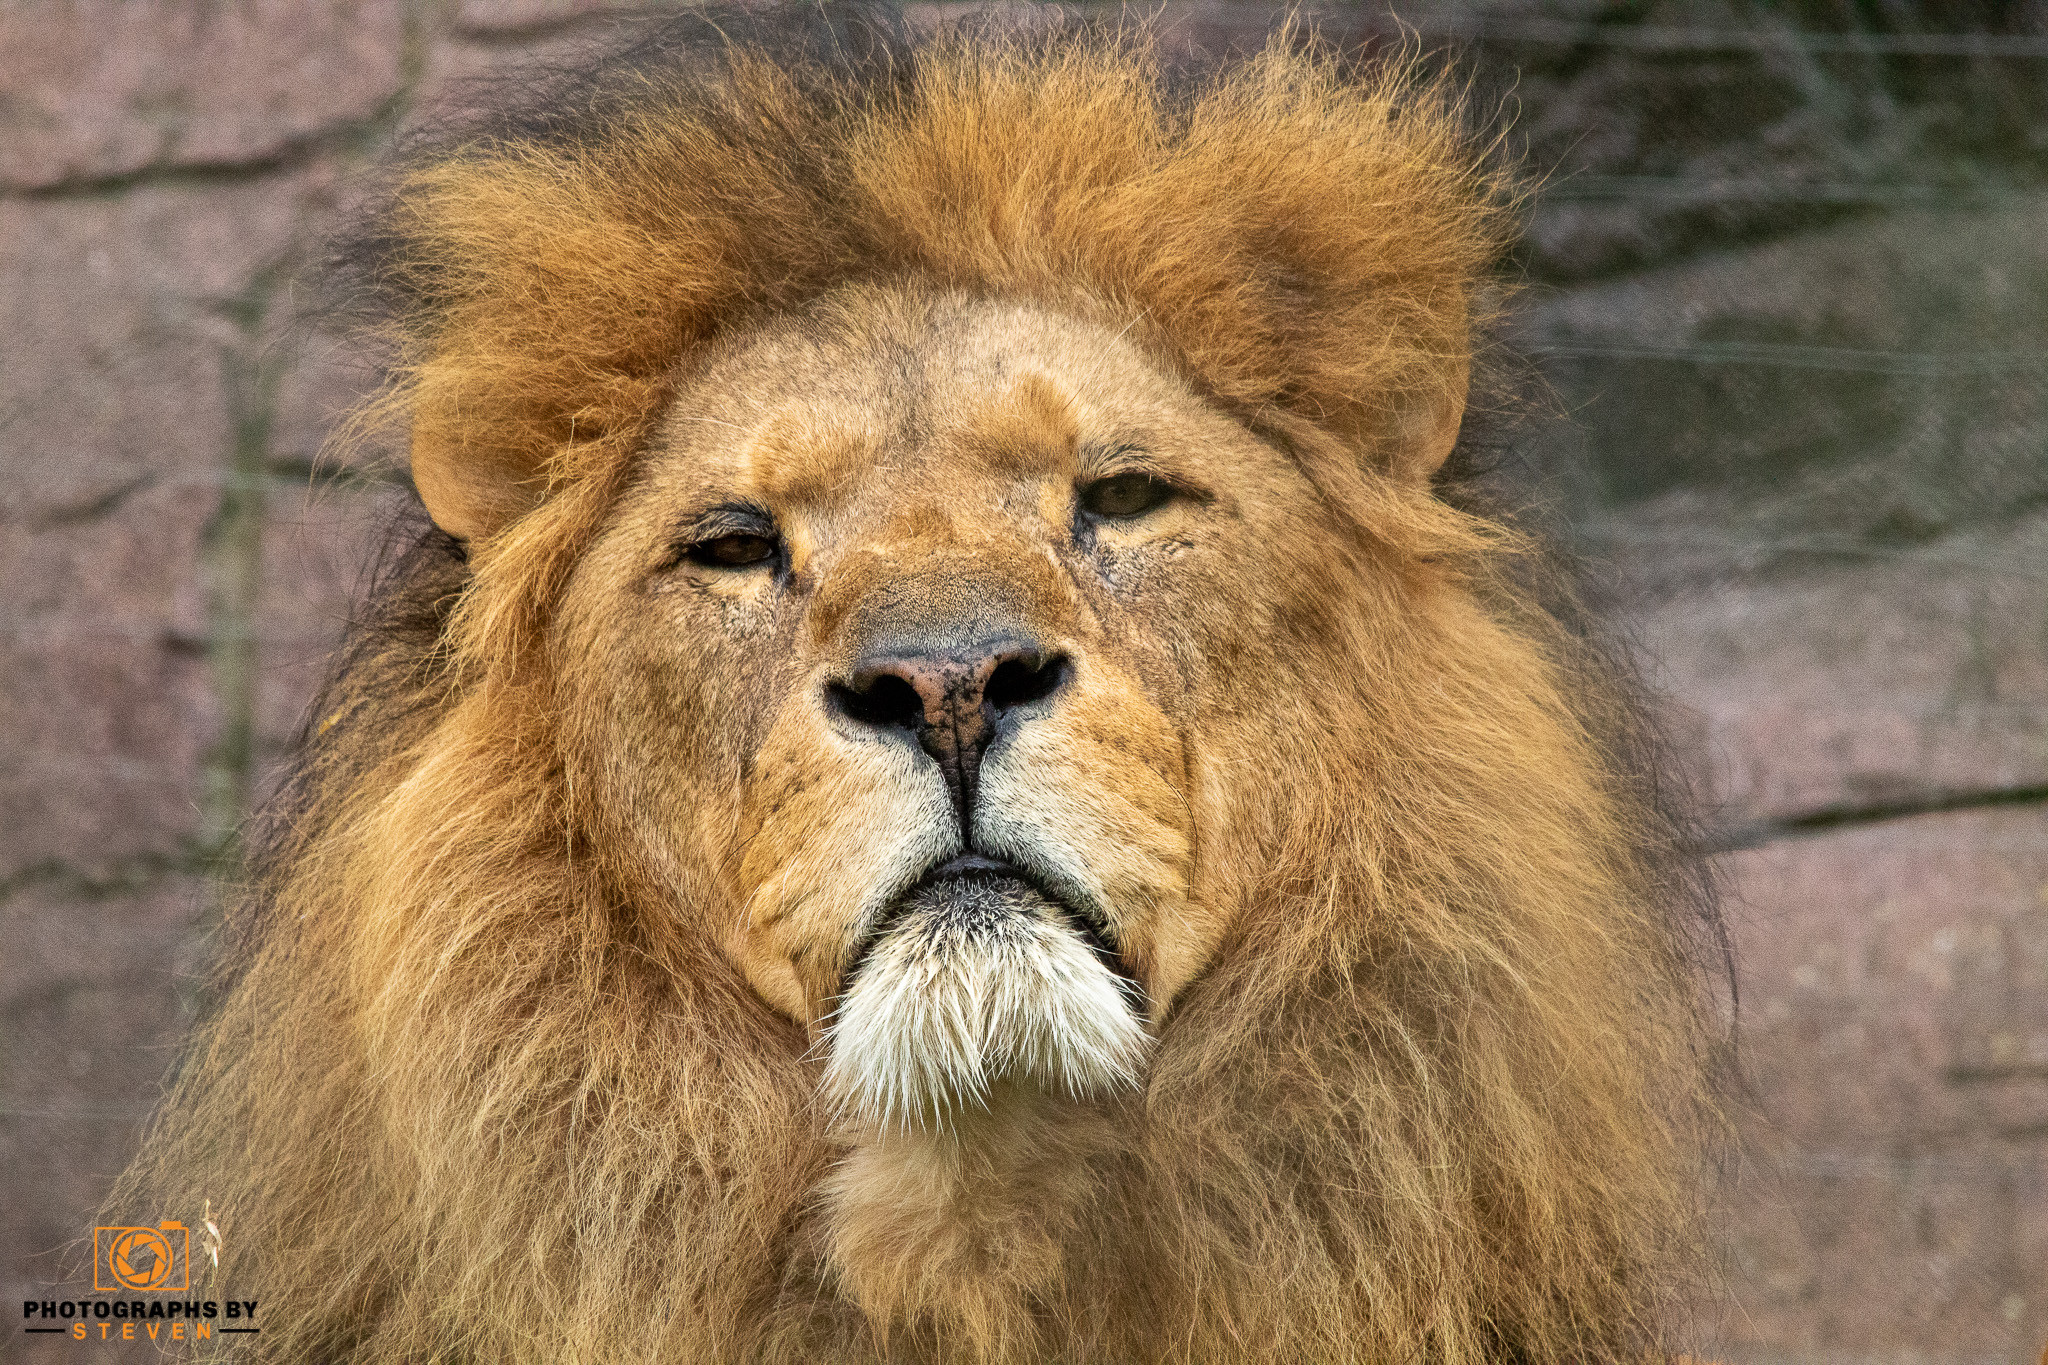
pixel 463 1099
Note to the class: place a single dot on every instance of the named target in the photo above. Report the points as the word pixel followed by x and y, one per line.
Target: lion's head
pixel 950 784
pixel 958 641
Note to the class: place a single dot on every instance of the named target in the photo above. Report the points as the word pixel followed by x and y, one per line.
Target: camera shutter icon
pixel 142 1259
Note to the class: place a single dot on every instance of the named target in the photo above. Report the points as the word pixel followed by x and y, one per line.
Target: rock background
pixel 1790 298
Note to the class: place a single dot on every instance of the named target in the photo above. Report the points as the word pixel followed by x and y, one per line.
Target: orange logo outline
pixel 115 1251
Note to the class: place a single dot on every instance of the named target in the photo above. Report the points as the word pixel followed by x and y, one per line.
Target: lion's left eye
pixel 1125 495
pixel 733 552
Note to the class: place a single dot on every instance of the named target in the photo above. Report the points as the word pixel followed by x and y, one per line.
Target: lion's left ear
pixel 468 493
pixel 1424 428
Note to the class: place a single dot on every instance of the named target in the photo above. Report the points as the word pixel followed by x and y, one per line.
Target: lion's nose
pixel 955 703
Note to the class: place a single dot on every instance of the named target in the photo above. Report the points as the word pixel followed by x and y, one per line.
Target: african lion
pixel 953 778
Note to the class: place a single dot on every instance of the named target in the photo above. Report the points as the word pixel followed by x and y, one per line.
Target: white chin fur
pixel 955 998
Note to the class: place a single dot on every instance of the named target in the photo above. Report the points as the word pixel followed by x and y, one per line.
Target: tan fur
pixel 528 1056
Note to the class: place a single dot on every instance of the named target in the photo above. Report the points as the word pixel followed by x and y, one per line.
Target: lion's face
pixel 944 633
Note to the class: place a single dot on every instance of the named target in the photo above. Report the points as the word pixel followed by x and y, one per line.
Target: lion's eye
pixel 1125 495
pixel 733 552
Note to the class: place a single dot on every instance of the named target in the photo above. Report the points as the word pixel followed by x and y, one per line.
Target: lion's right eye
pixel 733 552
pixel 1125 495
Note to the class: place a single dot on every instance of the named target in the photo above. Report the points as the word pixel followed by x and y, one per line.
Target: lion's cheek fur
pixel 1092 800
pixel 829 829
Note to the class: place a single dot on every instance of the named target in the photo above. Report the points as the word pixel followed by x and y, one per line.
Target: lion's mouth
pixel 991 873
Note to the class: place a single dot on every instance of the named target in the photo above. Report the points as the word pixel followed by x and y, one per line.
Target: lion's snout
pixel 976 976
pixel 962 700
pixel 953 697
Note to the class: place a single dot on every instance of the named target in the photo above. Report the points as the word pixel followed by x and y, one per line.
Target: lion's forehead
pixel 876 389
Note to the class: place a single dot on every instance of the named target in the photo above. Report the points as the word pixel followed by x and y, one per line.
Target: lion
pixel 953 773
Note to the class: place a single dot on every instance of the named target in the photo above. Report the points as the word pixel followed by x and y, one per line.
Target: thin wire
pixel 152 478
pixel 1906 364
pixel 57 626
pixel 1664 38
pixel 2020 566
pixel 1609 188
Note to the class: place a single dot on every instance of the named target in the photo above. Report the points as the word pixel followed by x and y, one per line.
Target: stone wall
pixel 1790 301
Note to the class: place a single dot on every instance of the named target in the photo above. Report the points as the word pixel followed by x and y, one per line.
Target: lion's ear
pixel 1425 427
pixel 471 493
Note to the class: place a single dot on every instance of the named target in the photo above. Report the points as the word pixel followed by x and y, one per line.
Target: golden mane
pixel 463 1098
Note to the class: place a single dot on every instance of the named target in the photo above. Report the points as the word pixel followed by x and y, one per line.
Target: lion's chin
pixel 975 981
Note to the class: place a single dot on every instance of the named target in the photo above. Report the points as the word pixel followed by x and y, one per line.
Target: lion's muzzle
pixel 976 977
pixel 956 697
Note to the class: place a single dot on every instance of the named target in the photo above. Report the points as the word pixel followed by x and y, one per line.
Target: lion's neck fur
pixel 972 1224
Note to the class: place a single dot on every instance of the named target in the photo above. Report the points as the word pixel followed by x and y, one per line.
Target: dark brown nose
pixel 956 702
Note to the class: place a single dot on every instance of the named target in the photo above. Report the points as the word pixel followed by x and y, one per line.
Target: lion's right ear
pixel 472 493
pixel 1425 427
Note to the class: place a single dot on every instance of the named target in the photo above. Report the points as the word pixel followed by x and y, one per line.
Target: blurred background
pixel 1787 282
